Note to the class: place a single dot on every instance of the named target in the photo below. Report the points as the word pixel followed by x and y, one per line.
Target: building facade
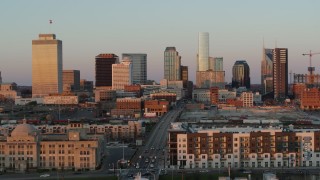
pixel 27 149
pixel 121 74
pixel 224 95
pixel 159 107
pixel 209 78
pixel 280 73
pixel 247 99
pixel 135 88
pixel 241 74
pixel 170 97
pixel 298 89
pixel 214 95
pixel 216 63
pixel 267 71
pixel 185 76
pixel 104 69
pixel 71 80
pixel 46 65
pixel 310 99
pixel 201 95
pixel 172 64
pixel 242 148
pixel 9 91
pixel 139 67
pixel 86 85
pixel 203 52
pixel 129 103
pixel 61 99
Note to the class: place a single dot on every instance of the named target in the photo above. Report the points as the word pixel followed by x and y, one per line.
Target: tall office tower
pixel 241 74
pixel 104 69
pixel 216 63
pixel 184 75
pixel 139 67
pixel 172 64
pixel 267 71
pixel 203 52
pixel 0 78
pixel 46 65
pixel 71 80
pixel 121 74
pixel 280 73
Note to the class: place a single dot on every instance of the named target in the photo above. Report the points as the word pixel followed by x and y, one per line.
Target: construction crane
pixel 310 68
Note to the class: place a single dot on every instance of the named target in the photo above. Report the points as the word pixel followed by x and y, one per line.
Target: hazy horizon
pixel 87 28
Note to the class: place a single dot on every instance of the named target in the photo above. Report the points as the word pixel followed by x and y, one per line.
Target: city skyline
pixel 236 32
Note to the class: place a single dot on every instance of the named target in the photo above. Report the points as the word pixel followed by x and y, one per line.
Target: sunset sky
pixel 87 28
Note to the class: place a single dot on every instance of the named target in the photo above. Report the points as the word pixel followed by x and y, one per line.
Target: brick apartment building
pixel 242 147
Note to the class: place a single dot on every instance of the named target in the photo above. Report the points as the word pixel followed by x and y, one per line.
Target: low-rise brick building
pixel 160 107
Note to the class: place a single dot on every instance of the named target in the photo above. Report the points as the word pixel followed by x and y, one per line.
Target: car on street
pixel 245 171
pixel 44 175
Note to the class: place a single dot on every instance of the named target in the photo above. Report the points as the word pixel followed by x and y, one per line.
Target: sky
pixel 87 28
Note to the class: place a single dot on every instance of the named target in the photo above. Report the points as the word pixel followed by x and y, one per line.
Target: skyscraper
pixel 184 75
pixel 71 80
pixel 203 52
pixel 267 71
pixel 46 65
pixel 280 73
pixel 121 74
pixel 241 74
pixel 216 63
pixel 104 69
pixel 0 78
pixel 172 64
pixel 139 67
